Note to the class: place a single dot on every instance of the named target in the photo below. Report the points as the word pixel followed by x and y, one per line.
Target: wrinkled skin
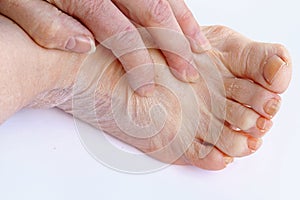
pixel 74 25
pixel 221 100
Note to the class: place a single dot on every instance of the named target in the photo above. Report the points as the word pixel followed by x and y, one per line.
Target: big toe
pixel 266 64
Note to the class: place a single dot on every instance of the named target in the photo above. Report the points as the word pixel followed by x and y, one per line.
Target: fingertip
pixel 93 46
pixel 80 44
pixel 190 27
pixel 199 43
pixel 146 91
pixel 189 74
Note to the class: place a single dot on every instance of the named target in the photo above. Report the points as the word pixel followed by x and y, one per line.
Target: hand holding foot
pixel 52 28
pixel 250 99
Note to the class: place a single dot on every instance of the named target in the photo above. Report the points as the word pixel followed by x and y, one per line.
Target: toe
pixel 269 65
pixel 246 119
pixel 252 95
pixel 206 156
pixel 266 64
pixel 230 142
pixel 237 144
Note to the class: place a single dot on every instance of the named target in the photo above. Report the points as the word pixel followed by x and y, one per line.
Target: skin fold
pixel 206 123
pixel 75 25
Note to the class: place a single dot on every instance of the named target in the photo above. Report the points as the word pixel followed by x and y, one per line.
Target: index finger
pixel 189 26
pixel 162 24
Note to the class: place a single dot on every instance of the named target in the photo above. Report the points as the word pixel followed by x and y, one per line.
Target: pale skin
pixel 36 77
pixel 74 25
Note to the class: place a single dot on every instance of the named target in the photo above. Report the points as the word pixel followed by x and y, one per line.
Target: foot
pixel 251 75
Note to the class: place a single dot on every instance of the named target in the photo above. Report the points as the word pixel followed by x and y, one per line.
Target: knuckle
pixel 47 34
pixel 243 118
pixel 234 145
pixel 85 8
pixel 84 4
pixel 231 89
pixel 259 93
pixel 222 30
pixel 92 7
pixel 220 27
pixel 229 110
pixel 125 41
pixel 159 11
pixel 247 118
pixel 185 15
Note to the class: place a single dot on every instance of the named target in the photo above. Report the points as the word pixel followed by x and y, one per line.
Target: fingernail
pixel 192 75
pixel 180 76
pixel 228 160
pixel 263 124
pixel 272 107
pixel 81 44
pixel 272 67
pixel 146 91
pixel 186 75
pixel 201 44
pixel 254 143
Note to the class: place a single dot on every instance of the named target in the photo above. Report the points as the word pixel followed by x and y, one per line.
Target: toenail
pixel 254 143
pixel 272 67
pixel 263 124
pixel 228 160
pixel 272 107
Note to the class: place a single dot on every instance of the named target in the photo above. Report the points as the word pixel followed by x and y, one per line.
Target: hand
pixel 51 28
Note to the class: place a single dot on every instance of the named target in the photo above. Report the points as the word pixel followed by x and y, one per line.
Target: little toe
pixel 252 95
pixel 206 156
pixel 246 119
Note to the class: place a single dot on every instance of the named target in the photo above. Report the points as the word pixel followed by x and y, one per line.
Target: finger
pixel 48 26
pixel 189 26
pixel 166 32
pixel 114 31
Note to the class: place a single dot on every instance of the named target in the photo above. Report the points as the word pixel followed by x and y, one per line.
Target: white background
pixel 41 156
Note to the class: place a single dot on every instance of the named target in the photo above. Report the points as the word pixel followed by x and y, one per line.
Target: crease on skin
pixel 93 104
pixel 217 88
pixel 91 100
pixel 107 119
pixel 124 123
pixel 51 99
